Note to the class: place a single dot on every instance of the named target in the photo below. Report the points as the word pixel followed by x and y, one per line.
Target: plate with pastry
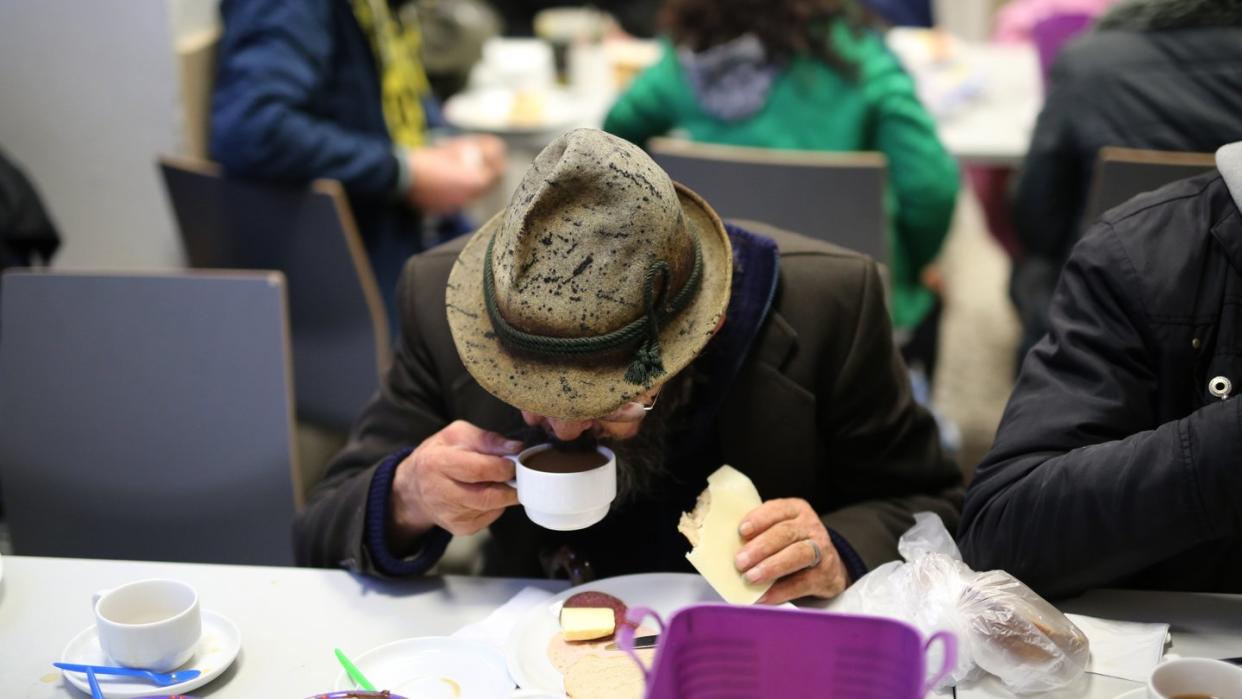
pixel 563 647
pixel 568 645
pixel 430 667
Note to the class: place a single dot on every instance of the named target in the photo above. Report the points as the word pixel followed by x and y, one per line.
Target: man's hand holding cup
pixel 456 479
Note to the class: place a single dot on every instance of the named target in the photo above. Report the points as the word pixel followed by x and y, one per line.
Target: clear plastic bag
pixel 1002 626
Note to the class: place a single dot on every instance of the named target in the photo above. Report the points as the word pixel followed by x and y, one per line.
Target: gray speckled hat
pixel 606 278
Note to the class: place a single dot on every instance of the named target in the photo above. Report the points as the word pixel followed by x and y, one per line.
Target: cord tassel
pixel 647 364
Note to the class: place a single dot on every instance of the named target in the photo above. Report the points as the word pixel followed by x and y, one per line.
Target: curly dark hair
pixel 787 28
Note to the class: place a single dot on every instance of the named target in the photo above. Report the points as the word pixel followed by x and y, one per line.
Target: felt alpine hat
pixel 601 279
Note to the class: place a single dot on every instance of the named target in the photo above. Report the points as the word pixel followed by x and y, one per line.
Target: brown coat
pixel 821 409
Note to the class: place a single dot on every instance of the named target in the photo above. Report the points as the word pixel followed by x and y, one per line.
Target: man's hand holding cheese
pixel 607 302
pixel 787 544
pixel 768 553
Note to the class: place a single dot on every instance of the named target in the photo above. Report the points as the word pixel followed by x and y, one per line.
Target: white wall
pixel 88 98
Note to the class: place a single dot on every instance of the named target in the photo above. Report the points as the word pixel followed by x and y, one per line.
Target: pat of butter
pixel 587 623
pixel 712 528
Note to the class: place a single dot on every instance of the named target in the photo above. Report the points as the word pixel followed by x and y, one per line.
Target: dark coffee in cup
pixel 565 489
pixel 565 461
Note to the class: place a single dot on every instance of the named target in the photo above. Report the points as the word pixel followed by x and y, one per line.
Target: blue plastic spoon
pixel 96 692
pixel 162 679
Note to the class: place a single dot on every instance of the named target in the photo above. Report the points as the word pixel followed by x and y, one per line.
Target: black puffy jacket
pixel 1115 463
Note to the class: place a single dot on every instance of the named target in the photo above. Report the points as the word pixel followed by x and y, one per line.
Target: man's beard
pixel 640 459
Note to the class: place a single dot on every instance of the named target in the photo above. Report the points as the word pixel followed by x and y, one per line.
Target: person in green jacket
pixel 808 75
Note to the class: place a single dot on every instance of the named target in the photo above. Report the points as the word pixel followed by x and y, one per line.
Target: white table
pixel 984 97
pixel 996 128
pixel 1202 625
pixel 291 618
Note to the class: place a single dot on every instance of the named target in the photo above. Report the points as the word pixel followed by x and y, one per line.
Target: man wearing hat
pixel 608 302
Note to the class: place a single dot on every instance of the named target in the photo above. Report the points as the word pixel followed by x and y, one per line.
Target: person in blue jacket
pixel 335 89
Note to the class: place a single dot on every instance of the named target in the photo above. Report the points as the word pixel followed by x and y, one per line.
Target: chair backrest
pixel 836 197
pixel 1123 173
pixel 196 66
pixel 147 417
pixel 340 329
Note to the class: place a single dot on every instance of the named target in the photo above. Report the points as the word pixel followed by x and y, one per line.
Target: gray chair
pixel 836 197
pixel 147 417
pixel 1123 173
pixel 340 328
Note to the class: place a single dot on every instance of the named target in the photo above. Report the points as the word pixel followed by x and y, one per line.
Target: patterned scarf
pixel 730 80
pixel 403 84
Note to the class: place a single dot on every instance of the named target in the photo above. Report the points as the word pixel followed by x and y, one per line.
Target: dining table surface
pixel 291 619
pixel 990 126
pixel 994 128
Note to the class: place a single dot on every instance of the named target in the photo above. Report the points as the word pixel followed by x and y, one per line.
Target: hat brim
pixel 584 389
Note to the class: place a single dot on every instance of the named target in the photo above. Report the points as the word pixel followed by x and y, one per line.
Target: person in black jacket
pixel 1158 74
pixel 1119 458
pixel 27 234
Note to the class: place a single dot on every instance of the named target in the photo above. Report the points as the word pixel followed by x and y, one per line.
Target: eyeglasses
pixel 633 411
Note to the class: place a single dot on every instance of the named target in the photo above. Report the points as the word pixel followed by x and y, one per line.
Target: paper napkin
pixel 1122 649
pixel 495 629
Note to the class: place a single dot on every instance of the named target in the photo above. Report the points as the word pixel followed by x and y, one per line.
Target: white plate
pixel 1139 693
pixel 217 649
pixel 490 109
pixel 527 648
pixel 434 667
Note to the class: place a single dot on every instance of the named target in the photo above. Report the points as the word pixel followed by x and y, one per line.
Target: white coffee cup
pixel 565 501
pixel 149 624
pixel 1195 676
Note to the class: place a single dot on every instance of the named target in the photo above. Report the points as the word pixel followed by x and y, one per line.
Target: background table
pixel 984 97
pixel 995 129
pixel 291 618
pixel 992 128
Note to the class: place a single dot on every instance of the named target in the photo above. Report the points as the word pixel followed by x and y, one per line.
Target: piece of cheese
pixel 712 530
pixel 587 623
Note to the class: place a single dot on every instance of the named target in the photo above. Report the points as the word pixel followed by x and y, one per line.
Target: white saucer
pixel 434 667
pixel 1139 693
pixel 217 649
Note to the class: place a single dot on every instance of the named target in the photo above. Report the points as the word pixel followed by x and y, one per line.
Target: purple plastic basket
pixel 714 651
